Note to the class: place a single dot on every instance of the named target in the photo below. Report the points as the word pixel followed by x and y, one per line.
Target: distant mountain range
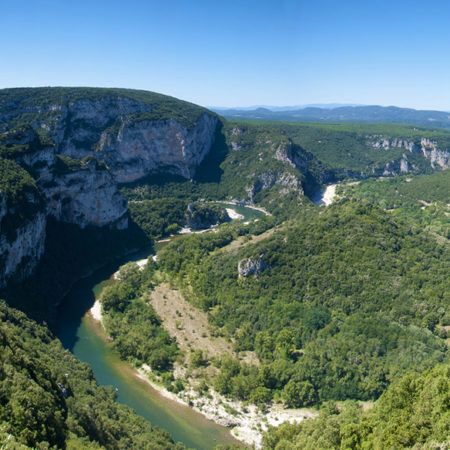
pixel 339 113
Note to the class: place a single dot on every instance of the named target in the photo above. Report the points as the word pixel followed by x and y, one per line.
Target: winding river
pixel 86 340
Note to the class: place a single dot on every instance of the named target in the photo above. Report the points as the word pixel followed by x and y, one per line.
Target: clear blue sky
pixel 235 52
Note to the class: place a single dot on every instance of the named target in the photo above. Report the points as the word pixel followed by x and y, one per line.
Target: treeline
pixel 412 413
pixel 48 399
pixel 348 300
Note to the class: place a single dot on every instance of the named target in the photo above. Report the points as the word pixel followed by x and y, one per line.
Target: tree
pixel 297 394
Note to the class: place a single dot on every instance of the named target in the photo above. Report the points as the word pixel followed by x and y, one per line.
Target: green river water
pixel 85 339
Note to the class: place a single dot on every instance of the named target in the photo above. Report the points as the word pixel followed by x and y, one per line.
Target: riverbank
pixel 96 312
pixel 147 399
pixel 329 194
pixel 247 422
pixel 245 205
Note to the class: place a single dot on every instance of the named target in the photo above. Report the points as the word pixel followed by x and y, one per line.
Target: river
pixel 83 336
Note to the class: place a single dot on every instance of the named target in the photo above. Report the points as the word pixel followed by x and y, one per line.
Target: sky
pixel 235 52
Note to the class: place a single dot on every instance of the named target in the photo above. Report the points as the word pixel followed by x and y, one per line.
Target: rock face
pixel 251 266
pixel 79 144
pixel 133 133
pixel 430 150
pixel 22 222
pixel 140 148
pixel 285 181
pixel 20 256
pixel 86 196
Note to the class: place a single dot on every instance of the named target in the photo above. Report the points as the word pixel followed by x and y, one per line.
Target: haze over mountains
pixel 342 113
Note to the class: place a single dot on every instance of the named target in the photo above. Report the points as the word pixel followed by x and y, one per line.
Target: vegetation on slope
pixel 19 196
pixel 414 412
pixel 49 399
pixel 349 300
pixel 345 147
pixel 423 200
pixel 23 105
pixel 133 325
pixel 241 165
pixel 274 163
pixel 130 320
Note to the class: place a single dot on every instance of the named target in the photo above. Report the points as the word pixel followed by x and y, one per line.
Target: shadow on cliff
pixel 72 253
pixel 209 171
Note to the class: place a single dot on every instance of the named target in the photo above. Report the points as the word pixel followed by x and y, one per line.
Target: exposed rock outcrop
pixel 79 144
pixel 140 148
pixel 87 196
pixel 396 167
pixel 22 223
pixel 251 266
pixel 132 137
pixel 286 182
pixel 429 149
pixel 19 257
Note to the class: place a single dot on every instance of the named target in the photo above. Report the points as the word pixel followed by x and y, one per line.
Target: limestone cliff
pixel 134 133
pixel 137 149
pixel 437 156
pixel 79 144
pixel 22 222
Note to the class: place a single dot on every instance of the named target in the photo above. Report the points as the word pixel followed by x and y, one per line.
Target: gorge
pixel 92 177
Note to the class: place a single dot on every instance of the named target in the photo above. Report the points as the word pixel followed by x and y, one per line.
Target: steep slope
pixel 132 132
pixel 49 399
pixel 336 305
pixel 22 219
pixel 361 151
pixel 79 143
pixel 276 164
pixel 412 413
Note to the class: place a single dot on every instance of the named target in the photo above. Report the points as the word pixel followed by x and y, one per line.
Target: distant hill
pixel 331 113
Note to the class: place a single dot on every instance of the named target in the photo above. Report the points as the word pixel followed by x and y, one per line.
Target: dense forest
pixel 48 399
pixel 422 200
pixel 412 413
pixel 333 314
pixel 132 324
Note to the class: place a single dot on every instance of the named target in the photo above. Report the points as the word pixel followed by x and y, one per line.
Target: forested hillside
pixel 412 413
pixel 50 400
pixel 338 305
pixel 423 200
pixel 275 164
pixel 311 305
